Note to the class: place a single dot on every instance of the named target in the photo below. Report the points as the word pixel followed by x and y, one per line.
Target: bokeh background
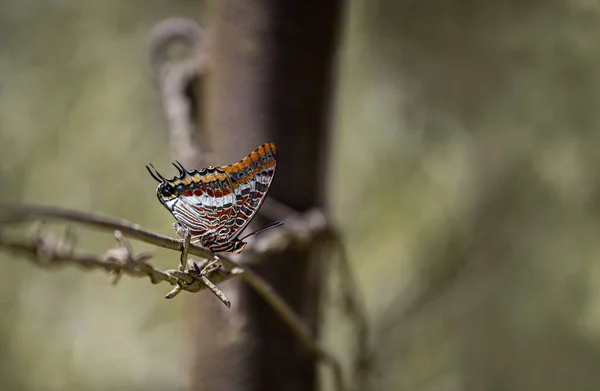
pixel 463 179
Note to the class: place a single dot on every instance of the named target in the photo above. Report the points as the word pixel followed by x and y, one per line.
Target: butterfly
pixel 217 203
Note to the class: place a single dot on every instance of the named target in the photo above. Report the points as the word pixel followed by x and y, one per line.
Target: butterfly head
pixel 167 190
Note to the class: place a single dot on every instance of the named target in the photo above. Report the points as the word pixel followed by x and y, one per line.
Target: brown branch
pixel 298 230
pixel 44 250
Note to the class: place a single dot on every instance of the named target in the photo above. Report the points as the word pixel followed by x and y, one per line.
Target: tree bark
pixel 269 79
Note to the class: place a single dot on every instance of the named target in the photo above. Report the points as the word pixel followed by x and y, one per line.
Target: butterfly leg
pixel 185 251
pixel 180 229
pixel 211 266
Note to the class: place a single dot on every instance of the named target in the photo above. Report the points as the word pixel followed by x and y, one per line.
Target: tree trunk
pixel 269 79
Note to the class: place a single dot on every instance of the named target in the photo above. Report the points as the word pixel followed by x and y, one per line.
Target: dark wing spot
pixel 239 221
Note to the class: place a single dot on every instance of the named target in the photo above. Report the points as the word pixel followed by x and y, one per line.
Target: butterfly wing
pixel 208 206
pixel 251 179
pixel 217 203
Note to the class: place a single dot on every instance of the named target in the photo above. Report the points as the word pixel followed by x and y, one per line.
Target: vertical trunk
pixel 268 80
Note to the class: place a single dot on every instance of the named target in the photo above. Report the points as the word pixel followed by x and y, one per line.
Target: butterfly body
pixel 217 203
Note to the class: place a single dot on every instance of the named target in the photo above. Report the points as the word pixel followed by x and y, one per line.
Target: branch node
pixel 124 244
pixel 122 255
pixel 173 292
pixel 67 243
pixel 202 275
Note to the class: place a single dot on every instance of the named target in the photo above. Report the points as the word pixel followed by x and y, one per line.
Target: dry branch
pixel 45 250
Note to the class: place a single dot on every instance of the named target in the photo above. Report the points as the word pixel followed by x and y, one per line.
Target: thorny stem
pixel 44 250
pixel 116 260
pixel 11 213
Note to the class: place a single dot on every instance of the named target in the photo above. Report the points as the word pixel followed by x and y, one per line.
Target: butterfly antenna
pixel 272 225
pixel 153 174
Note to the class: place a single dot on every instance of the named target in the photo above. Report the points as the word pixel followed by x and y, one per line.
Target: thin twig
pixel 12 213
pixel 297 231
pixel 179 81
pixel 293 321
pixel 116 260
pixel 354 307
pixel 201 274
pixel 44 250
pixel 185 252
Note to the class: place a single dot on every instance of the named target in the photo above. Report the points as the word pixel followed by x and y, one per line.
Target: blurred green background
pixel 463 178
